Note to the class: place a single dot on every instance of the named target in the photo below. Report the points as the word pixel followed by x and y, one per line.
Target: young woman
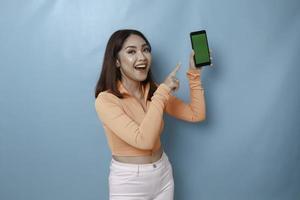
pixel 131 106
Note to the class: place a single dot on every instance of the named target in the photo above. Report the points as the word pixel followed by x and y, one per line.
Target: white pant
pixel 141 181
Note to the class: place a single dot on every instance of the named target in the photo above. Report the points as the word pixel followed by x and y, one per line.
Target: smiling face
pixel 134 59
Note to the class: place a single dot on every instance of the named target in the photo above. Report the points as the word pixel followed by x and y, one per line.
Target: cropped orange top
pixel 131 131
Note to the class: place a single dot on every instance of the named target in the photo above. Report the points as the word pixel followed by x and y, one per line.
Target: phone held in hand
pixel 200 47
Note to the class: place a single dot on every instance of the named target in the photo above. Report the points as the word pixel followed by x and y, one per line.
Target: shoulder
pixel 105 98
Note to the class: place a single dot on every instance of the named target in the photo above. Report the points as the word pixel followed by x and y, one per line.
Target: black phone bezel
pixel 197 33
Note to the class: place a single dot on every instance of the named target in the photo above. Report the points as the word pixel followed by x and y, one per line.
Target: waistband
pixel 140 167
pixel 148 159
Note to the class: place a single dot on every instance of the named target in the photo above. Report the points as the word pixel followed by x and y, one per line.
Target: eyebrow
pixel 135 46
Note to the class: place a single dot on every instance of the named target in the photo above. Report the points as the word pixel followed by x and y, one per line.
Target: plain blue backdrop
pixel 53 146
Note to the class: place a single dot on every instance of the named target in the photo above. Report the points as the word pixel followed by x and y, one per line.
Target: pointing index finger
pixel 176 69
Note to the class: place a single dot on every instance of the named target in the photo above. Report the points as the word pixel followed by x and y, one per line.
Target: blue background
pixel 52 145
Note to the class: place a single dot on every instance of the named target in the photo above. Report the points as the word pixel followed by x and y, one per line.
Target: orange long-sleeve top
pixel 131 131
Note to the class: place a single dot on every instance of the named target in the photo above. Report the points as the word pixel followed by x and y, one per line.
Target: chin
pixel 141 79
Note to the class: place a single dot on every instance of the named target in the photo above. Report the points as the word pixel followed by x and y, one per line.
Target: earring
pixel 118 64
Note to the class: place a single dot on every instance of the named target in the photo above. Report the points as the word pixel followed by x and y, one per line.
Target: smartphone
pixel 200 47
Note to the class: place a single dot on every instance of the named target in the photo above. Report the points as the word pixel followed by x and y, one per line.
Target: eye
pixel 147 49
pixel 131 52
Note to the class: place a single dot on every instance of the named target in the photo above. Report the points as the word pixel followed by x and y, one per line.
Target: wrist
pixel 194 70
pixel 166 87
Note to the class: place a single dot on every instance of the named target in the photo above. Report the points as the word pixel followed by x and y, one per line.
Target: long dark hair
pixel 110 74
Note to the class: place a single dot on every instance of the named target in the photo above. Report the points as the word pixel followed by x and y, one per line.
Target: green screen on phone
pixel 200 48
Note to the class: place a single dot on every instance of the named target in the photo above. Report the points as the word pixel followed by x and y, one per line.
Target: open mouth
pixel 142 67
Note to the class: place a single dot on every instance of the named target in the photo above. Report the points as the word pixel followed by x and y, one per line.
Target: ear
pixel 118 63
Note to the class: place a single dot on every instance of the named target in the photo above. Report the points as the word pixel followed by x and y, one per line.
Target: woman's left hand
pixel 192 62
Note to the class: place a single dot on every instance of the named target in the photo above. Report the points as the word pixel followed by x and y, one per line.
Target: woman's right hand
pixel 171 81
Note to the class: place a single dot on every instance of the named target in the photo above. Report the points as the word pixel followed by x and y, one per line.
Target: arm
pixel 142 136
pixel 195 110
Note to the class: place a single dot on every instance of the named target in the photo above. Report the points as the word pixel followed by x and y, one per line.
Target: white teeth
pixel 140 67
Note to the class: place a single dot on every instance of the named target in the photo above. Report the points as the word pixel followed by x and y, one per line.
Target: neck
pixel 133 87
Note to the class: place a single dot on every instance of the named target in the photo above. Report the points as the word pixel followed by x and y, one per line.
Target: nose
pixel 141 56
